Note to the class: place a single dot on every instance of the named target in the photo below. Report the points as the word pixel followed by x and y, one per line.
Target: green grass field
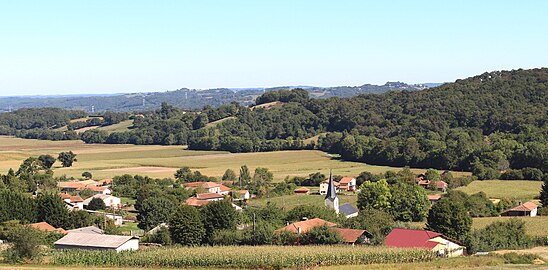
pixel 290 201
pixel 534 226
pixel 105 161
pixel 522 190
pixel 120 127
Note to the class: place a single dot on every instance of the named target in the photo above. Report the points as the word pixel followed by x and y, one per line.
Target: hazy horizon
pixel 105 47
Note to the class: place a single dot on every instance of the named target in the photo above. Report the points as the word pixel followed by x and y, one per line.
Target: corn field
pixel 264 257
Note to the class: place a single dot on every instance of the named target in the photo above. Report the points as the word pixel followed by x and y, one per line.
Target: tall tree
pixel 47 161
pixel 408 202
pixel 544 192
pixel 186 226
pixel 154 211
pixel 374 195
pixel 52 210
pixel 67 158
pixel 219 215
pixel 229 175
pixel 450 218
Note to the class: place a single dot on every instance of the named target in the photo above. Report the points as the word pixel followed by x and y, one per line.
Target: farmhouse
pixel 209 187
pixel 73 202
pixel 110 201
pixel 306 225
pixel 302 191
pixel 433 198
pixel 526 209
pixel 352 236
pixel 347 184
pixel 438 243
pixel 44 226
pixel 241 195
pixel 324 186
pixel 93 241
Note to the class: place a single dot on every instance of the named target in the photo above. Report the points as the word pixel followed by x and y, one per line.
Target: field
pixel 105 161
pixel 521 190
pixel 289 202
pixel 534 226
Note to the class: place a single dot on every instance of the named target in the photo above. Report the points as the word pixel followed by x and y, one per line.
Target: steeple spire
pixel 331 192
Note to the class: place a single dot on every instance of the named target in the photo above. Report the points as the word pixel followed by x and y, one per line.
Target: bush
pixel 284 238
pixel 516 258
pixel 161 236
pixel 226 238
pixel 25 242
pixel 321 235
pixel 508 234
pixel 96 204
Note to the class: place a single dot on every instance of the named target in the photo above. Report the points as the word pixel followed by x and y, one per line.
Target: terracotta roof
pixel 93 240
pixel 526 207
pixel 243 191
pixel 74 199
pixel 346 180
pixel 224 188
pixel 335 183
pixel 94 188
pixel 441 184
pixel 201 184
pixel 407 238
pixel 306 225
pixel 44 226
pixel 433 197
pixel 302 190
pixel 349 235
pixel 193 201
pixel 65 196
pixel 209 196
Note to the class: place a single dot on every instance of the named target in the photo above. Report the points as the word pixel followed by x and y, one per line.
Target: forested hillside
pixel 487 124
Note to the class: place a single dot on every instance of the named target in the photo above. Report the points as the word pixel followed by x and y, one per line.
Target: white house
pixel 347 183
pixel 331 200
pixel 424 239
pixel 324 186
pixel 73 202
pixel 210 187
pixel 94 241
pixel 109 200
pixel 241 195
pixel 526 209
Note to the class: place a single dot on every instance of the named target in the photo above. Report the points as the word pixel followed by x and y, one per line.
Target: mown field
pixel 519 190
pixel 105 161
pixel 534 226
pixel 289 202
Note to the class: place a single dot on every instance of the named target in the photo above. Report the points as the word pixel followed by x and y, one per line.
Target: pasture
pixel 289 202
pixel 105 161
pixel 517 190
pixel 534 226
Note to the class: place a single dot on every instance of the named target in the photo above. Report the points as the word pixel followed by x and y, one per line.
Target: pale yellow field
pixel 104 160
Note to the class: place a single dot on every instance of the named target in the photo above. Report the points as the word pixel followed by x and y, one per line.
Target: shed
pixel 93 241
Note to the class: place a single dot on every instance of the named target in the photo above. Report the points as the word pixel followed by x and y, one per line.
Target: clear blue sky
pixel 96 46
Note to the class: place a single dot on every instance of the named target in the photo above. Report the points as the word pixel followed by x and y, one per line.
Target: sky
pixel 100 46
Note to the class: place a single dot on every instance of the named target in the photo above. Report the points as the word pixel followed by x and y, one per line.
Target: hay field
pixel 289 202
pixel 518 189
pixel 161 161
pixel 534 226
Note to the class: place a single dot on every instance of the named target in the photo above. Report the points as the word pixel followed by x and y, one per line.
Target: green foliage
pixel 376 222
pixel 408 202
pixel 519 258
pixel 508 234
pixel 229 175
pixel 478 204
pixel 226 238
pixel 154 211
pixel 321 235
pixel 374 195
pixel 52 210
pixel 17 206
pixel 87 175
pixel 450 218
pixel 218 215
pixel 86 193
pixel 284 238
pixel 186 226
pixel 96 204
pixel 544 194
pixel 67 158
pixel 161 236
pixel 310 212
pixel 47 161
pixel 25 242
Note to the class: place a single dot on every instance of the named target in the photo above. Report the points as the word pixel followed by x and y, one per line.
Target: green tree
pixel 376 222
pixel 544 193
pixel 26 242
pixel 244 175
pixel 321 235
pixel 310 211
pixel 218 215
pixel 15 205
pixel 186 226
pixel 96 204
pixel 183 174
pixel 52 210
pixel 229 175
pixel 87 175
pixel 374 195
pixel 47 161
pixel 408 202
pixel 67 158
pixel 450 218
pixel 86 193
pixel 154 211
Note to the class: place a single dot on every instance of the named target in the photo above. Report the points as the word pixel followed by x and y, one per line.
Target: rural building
pixel 441 186
pixel 89 229
pixel 224 190
pixel 306 225
pixel 109 200
pixel 302 191
pixel 331 200
pixel 347 184
pixel 44 226
pixel 209 187
pixel 526 209
pixel 73 202
pixel 348 210
pixel 193 201
pixel 352 236
pixel 325 185
pixel 210 196
pixel 241 195
pixel 103 190
pixel 93 241
pixel 433 198
pixel 438 243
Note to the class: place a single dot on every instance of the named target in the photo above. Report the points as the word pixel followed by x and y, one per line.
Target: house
pixel 424 239
pixel 103 190
pixel 441 186
pixel 109 200
pixel 224 190
pixel 74 185
pixel 352 236
pixel 93 241
pixel 193 201
pixel 331 200
pixel 526 209
pixel 433 198
pixel 209 187
pixel 73 202
pixel 347 184
pixel 89 229
pixel 44 226
pixel 118 219
pixel 306 225
pixel 302 191
pixel 241 195
pixel 210 196
pixel 348 210
pixel 324 186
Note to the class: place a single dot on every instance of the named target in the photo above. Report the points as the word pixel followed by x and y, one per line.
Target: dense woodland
pixel 486 124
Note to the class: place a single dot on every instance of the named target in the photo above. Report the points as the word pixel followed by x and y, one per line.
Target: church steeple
pixel 331 199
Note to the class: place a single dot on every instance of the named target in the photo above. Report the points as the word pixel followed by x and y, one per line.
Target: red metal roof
pixel 407 238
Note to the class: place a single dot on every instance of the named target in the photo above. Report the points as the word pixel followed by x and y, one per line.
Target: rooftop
pixel 93 240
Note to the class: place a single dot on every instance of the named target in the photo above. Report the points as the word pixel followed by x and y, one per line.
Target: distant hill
pixel 189 99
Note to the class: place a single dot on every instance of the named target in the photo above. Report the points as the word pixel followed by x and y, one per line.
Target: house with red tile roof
pixel 306 225
pixel 433 198
pixel 424 239
pixel 44 226
pixel 347 183
pixel 210 187
pixel 241 195
pixel 73 202
pixel 526 209
pixel 352 236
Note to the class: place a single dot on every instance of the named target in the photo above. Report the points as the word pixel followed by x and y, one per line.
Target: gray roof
pixel 93 240
pixel 331 192
pixel 348 209
pixel 89 229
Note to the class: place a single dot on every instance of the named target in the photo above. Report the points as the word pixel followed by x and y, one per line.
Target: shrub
pixel 321 235
pixel 516 258
pixel 508 234
pixel 161 236
pixel 25 242
pixel 284 238
pixel 226 238
pixel 96 204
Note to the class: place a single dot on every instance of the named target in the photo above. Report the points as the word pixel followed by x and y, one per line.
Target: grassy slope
pixel 291 201
pixel 523 190
pixel 535 226
pixel 120 127
pixel 98 158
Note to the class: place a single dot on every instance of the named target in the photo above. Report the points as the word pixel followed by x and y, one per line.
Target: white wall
pixel 132 244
